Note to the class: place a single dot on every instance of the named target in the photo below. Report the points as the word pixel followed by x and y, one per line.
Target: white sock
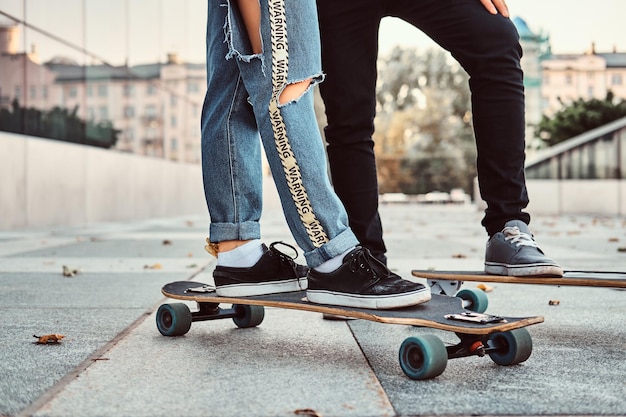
pixel 334 263
pixel 243 256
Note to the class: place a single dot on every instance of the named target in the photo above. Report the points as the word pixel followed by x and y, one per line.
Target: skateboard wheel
pixel 423 357
pixel 248 315
pixel 477 298
pixel 514 347
pixel 173 319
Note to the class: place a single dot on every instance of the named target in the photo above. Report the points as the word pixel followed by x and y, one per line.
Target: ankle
pixel 228 245
pixel 334 263
pixel 243 254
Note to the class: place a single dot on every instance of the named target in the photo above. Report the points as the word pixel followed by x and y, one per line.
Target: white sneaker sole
pixel 537 270
pixel 376 302
pixel 262 288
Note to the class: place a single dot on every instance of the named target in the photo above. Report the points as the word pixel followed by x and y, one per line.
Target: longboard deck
pixel 431 314
pixel 570 278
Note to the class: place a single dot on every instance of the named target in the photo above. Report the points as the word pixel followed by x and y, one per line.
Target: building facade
pixel 154 107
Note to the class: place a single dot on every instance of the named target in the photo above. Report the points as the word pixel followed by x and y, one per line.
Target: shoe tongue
pixel 520 225
pixel 511 231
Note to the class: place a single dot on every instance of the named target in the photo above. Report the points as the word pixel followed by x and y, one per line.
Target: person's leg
pixel 279 83
pixel 487 46
pixel 231 165
pixel 349 36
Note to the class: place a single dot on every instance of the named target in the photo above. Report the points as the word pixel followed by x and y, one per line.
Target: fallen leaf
pixel 70 271
pixel 167 242
pixel 307 412
pixel 484 287
pixel 554 302
pixel 622 249
pixel 49 338
pixel 153 266
pixel 459 256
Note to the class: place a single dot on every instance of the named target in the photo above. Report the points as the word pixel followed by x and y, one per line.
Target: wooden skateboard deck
pixel 570 278
pixel 504 339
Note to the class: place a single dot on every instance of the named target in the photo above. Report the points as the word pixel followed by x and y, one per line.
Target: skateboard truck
pixel 443 287
pixel 473 317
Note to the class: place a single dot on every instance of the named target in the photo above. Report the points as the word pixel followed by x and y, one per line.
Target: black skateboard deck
pixel 504 339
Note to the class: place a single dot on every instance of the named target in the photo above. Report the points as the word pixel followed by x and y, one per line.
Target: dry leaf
pixel 459 256
pixel 554 302
pixel 308 412
pixel 153 266
pixel 484 287
pixel 70 271
pixel 49 338
pixel 167 242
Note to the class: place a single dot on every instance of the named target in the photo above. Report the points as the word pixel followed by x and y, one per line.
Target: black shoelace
pixel 285 258
pixel 363 259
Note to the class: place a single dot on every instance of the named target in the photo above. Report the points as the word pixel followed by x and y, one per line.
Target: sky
pixel 146 35
pixel 572 25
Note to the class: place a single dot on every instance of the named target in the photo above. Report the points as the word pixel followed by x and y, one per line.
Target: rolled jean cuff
pixel 336 246
pixel 219 232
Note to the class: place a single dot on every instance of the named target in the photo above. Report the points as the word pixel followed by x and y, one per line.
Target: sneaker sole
pixel 262 288
pixel 375 302
pixel 546 271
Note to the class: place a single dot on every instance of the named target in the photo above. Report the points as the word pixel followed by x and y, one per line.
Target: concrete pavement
pixel 113 362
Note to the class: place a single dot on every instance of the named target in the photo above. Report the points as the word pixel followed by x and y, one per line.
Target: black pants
pixel 486 46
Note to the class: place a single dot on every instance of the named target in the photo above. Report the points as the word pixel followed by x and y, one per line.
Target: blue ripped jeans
pixel 241 103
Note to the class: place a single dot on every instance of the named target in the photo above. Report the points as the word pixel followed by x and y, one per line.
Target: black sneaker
pixel 275 272
pixel 514 252
pixel 363 281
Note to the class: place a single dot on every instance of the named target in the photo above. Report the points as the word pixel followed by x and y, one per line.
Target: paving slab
pixel 114 362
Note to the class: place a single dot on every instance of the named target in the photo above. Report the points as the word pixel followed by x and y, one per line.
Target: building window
pixel 89 90
pixel 568 79
pixel 129 90
pixel 72 91
pixel 193 88
pixel 102 90
pixel 33 92
pixel 173 121
pixel 616 79
pixel 151 110
pixel 103 112
pixel 129 112
pixel 44 91
pixel 151 89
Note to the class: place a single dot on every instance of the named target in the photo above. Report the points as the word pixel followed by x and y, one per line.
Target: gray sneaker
pixel 514 252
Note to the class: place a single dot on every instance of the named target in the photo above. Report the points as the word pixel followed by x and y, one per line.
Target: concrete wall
pixel 47 183
pixel 602 197
pixel 606 197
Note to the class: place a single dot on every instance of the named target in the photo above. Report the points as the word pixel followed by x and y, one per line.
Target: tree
pixel 424 138
pixel 57 123
pixel 579 117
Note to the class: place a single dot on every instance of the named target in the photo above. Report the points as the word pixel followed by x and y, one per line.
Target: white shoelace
pixel 516 236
